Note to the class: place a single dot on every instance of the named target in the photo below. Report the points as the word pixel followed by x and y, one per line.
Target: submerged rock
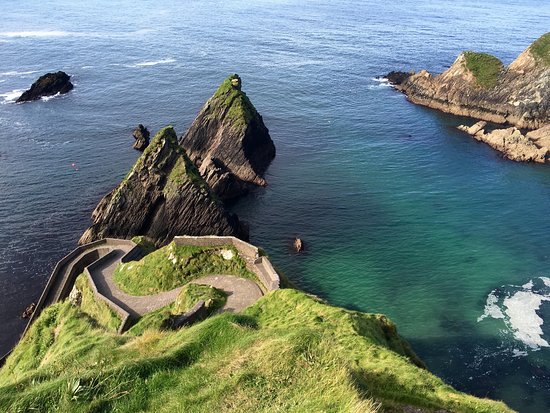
pixel 162 196
pixel 229 143
pixel 47 85
pixel 480 86
pixel 141 135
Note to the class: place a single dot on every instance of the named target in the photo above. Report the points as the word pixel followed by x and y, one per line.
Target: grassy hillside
pixel 287 353
pixel 484 67
pixel 541 49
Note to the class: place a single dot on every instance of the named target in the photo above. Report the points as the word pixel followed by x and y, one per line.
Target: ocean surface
pixel 400 213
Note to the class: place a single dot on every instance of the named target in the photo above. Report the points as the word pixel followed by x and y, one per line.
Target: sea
pixel 400 212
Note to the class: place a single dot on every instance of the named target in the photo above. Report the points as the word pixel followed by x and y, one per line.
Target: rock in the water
pixel 396 78
pixel 162 196
pixel 298 245
pixel 48 85
pixel 229 143
pixel 480 86
pixel 141 135
pixel 29 311
pixel 514 145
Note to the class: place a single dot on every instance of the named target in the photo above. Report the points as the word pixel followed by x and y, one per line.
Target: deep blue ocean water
pixel 401 213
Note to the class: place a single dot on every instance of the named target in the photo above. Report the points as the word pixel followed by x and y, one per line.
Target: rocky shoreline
pixel 479 86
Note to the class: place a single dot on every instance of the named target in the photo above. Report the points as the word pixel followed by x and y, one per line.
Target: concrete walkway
pixel 240 292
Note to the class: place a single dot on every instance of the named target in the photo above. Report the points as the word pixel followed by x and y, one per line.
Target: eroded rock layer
pixel 162 196
pixel 229 143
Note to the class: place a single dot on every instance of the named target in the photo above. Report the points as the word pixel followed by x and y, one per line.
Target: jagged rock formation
pixel 141 135
pixel 47 85
pixel 480 86
pixel 229 143
pixel 162 196
pixel 514 145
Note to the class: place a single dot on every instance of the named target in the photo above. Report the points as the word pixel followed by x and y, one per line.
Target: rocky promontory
pixel 478 85
pixel 229 143
pixel 47 85
pixel 162 196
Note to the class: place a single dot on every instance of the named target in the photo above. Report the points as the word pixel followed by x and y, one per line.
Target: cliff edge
pixel 229 143
pixel 478 85
pixel 162 196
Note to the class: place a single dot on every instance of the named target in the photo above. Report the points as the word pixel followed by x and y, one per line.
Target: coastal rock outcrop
pixel 229 143
pixel 478 85
pixel 514 145
pixel 47 85
pixel 162 196
pixel 141 135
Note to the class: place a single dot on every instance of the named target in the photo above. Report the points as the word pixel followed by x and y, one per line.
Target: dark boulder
pixel 141 135
pixel 396 78
pixel 48 85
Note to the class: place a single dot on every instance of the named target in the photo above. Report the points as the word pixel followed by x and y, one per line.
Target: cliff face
pixel 479 86
pixel 162 196
pixel 229 143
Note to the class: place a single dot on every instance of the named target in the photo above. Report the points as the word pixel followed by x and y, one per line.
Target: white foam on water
pixel 46 98
pixel 16 73
pixel 152 63
pixel 519 353
pixel 521 309
pixel 12 96
pixel 546 281
pixel 491 308
pixel 36 33
pixel 380 79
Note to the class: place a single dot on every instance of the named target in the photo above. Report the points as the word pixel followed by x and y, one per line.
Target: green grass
pixel 541 49
pixel 145 243
pixel 96 308
pixel 287 353
pixel 238 107
pixel 190 295
pixel 485 68
pixel 174 266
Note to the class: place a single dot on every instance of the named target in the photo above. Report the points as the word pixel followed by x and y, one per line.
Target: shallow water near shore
pixel 400 213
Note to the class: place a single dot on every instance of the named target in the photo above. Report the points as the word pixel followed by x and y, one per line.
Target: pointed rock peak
pixel 228 141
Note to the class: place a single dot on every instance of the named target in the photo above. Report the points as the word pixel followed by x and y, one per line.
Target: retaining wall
pixel 261 266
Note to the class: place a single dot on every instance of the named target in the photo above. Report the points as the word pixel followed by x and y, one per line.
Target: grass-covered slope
pixel 485 68
pixel 541 49
pixel 239 109
pixel 287 353
pixel 175 265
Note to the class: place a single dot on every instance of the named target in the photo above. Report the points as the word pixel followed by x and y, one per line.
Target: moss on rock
pixel 485 68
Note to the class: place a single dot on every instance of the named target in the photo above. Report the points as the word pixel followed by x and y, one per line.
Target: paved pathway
pixel 240 292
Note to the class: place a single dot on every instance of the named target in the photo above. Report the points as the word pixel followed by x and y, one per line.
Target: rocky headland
pixel 47 85
pixel 162 196
pixel 480 86
pixel 229 143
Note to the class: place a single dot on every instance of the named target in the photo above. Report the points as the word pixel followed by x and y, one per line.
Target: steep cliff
pixel 162 196
pixel 480 86
pixel 229 143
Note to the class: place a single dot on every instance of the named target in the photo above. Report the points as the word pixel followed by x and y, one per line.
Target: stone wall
pixel 261 266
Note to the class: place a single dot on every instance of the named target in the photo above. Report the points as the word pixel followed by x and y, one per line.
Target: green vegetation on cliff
pixel 289 352
pixel 239 109
pixel 97 309
pixel 541 49
pixel 175 265
pixel 485 68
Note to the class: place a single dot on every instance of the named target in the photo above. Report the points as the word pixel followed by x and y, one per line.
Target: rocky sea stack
pixel 229 143
pixel 141 135
pixel 47 85
pixel 162 196
pixel 480 86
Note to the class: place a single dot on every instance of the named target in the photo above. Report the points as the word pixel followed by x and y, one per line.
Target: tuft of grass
pixel 189 295
pixel 238 108
pixel 174 266
pixel 541 49
pixel 485 68
pixel 287 352
pixel 145 243
pixel 96 308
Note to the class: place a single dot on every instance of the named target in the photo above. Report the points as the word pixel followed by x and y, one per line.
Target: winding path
pixel 240 292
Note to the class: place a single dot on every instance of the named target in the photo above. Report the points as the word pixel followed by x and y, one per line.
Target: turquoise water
pixel 401 213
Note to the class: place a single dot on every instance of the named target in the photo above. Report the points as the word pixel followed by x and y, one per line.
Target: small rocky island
pixel 478 85
pixel 49 84
pixel 178 188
